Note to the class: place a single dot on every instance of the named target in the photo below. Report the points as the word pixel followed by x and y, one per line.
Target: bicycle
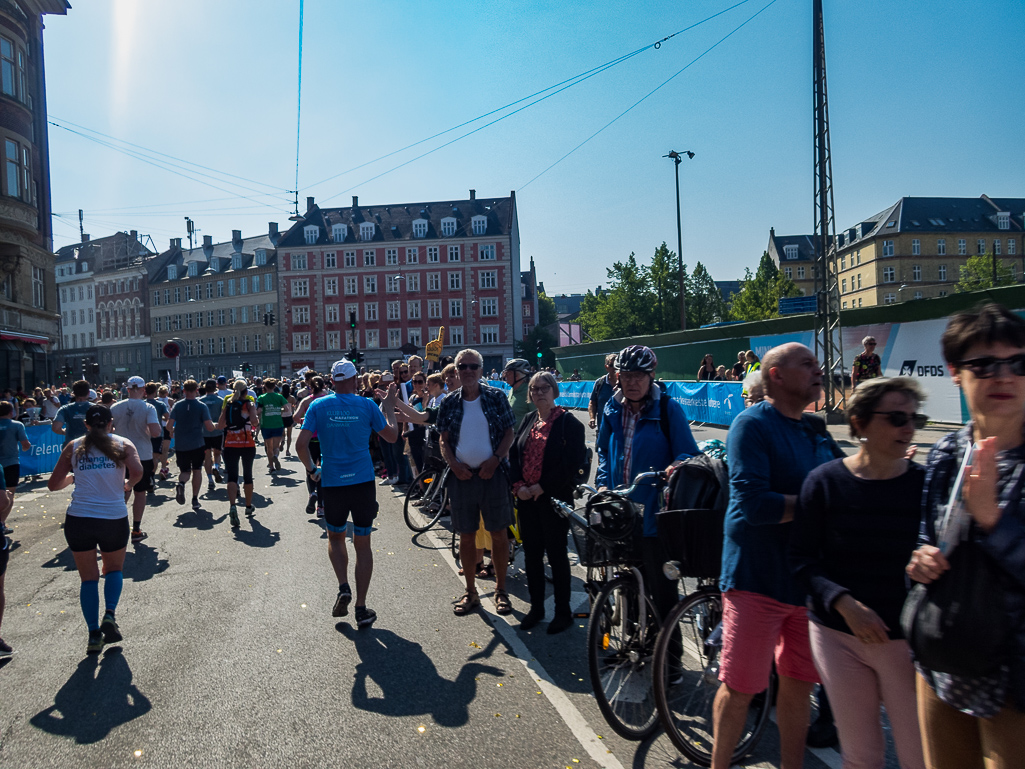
pixel 427 496
pixel 515 549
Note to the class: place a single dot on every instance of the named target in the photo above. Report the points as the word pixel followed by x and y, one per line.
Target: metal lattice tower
pixel 828 334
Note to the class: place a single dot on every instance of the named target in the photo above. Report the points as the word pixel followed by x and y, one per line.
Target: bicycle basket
pixel 694 538
pixel 593 551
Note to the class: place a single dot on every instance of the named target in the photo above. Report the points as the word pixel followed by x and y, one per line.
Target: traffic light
pixel 352 320
pixel 268 319
pixel 96 369
pixel 247 368
pixel 539 352
pixel 359 358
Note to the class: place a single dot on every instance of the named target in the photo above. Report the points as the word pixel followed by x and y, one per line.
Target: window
pixel 843 286
pixel 489 279
pixel 350 285
pixel 370 258
pixel 790 252
pixel 980 246
pixel 889 274
pixel 210 322
pixel 457 335
pixel 18 171
pixel 172 272
pixel 1012 246
pixel 391 284
pixel 370 311
pixel 413 310
pixel 300 287
pixel 220 289
pixel 432 255
pixel 261 259
pixel 843 262
pixel 412 283
pixel 890 298
pixel 188 348
pixel 256 285
pixel 412 255
pixel 943 293
pixel 433 308
pixel 887 248
pixel 942 272
pixel 859 256
pixel 339 232
pixel 231 287
pixel 455 281
pixel 301 314
pixel 334 340
pixel 199 320
pixel 209 291
pixel 177 294
pixel 419 228
pixel 330 260
pixel 245 343
pixel 486 253
pixel 38 292
pixel 394 311
pixel 434 281
pixel 193 269
pixel 351 309
pixel 256 343
pixel 91 310
pixel 257 315
pixel 918 295
pixel 233 315
pixel 220 317
pixel 223 345
pixel 996 247
pixel 243 285
pixel 311 232
pixel 800 273
pixel 177 322
pixel 916 247
pixel 268 282
pixel 480 225
pixel 330 286
pixel 859 301
pixel 391 256
pixel 236 261
pixel 941 246
pixel 1003 220
pixel 415 336
pixel 300 341
pixel 788 271
pixel 845 304
pixel 350 258
pixel 962 247
pixel 9 80
pixel 453 253
pixel 448 226
pixel 299 261
pixel 366 231
pixel 859 281
pixel 394 337
pixel 455 308
pixel 373 338
pixel 331 312
pixel 369 284
pixel 489 334
pixel 489 307
pixel 916 273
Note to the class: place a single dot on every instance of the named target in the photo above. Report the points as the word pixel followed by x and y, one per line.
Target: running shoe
pixel 211 486
pixel 95 645
pixel 195 504
pixel 217 474
pixel 111 632
pixel 388 482
pixel 277 463
pixel 365 617
pixel 320 511
pixel 138 535
pixel 7 529
pixel 311 506
pixel 164 473
pixel 341 607
pixel 233 517
pixel 250 511
pixel 5 649
pixel 179 493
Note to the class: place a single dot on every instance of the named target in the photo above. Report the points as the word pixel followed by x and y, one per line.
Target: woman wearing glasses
pixel 971 721
pixel 854 530
pixel 866 363
pixel 545 461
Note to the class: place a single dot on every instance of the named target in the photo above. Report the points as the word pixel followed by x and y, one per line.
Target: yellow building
pixel 916 247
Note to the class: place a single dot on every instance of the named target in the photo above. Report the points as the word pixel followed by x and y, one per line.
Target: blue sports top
pixel 343 424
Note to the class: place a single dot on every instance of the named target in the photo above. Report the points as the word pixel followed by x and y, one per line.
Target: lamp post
pixel 677 157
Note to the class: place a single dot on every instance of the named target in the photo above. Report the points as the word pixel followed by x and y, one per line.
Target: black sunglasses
pixel 419 381
pixel 901 418
pixel 988 366
pixel 471 366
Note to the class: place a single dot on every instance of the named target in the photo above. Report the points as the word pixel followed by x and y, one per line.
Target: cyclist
pixel 632 440
pixel 603 388
pixel 516 374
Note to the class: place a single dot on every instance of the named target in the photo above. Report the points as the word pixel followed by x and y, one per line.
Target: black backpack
pixel 234 418
pixel 692 524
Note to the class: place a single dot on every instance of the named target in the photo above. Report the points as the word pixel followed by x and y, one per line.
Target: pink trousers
pixel 858 678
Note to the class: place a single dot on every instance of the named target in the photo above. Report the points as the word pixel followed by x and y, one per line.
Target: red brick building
pixel 402 271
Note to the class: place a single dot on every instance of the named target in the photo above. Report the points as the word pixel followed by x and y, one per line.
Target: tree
pixel 664 282
pixel 625 309
pixel 546 314
pixel 978 274
pixel 760 294
pixel 704 300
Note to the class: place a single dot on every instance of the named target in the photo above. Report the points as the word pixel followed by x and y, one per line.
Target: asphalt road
pixel 231 656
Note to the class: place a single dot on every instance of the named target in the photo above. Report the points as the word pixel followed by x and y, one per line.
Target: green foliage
pixel 546 314
pixel 977 274
pixel 760 293
pixel 704 300
pixel 625 309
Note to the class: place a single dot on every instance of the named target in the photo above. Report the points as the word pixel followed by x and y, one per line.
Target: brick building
pixel 403 270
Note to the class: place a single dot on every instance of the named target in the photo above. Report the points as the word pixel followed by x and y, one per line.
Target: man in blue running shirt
pixel 343 423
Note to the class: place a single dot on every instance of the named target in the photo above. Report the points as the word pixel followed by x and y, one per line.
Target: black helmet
pixel 636 357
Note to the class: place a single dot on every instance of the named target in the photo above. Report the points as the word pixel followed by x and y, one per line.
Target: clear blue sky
pixel 925 99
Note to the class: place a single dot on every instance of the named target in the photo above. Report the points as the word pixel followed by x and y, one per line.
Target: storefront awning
pixel 19 337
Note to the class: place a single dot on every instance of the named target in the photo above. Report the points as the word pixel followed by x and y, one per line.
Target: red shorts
pixel 757 629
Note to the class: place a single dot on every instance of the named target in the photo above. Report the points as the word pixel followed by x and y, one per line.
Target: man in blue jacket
pixel 631 441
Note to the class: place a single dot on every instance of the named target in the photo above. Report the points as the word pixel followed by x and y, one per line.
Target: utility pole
pixel 676 157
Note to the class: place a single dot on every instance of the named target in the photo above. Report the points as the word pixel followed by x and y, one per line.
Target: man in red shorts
pixel 772 447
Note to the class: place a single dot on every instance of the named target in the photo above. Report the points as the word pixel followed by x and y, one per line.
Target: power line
pixel 652 92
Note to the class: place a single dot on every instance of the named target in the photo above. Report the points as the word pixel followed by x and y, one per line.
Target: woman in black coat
pixel 546 460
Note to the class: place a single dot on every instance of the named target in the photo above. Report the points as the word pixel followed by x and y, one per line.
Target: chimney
pixel 355 201
pixel 272 230
pixel 176 243
pixel 309 203
pixel 208 242
pixel 134 234
pixel 473 194
pixel 236 236
pixel 85 237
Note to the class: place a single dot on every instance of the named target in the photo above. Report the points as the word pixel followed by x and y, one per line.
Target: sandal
pixel 485 572
pixel 467 603
pixel 502 603
pixel 480 568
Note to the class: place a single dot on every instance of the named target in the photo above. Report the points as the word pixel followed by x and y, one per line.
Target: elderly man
pixel 772 448
pixel 516 374
pixel 476 426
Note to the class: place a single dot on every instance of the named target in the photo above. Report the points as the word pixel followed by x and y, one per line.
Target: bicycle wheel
pixel 432 499
pixel 620 645
pixel 455 549
pixel 686 679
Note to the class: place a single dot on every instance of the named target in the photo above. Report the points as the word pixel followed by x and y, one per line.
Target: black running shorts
pixel 147 473
pixel 86 534
pixel 5 554
pixel 191 459
pixel 213 442
pixel 11 476
pixel 358 499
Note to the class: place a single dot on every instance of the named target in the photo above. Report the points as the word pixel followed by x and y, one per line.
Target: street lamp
pixel 676 157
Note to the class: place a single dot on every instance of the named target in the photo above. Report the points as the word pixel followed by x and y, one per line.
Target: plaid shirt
pixel 629 425
pixel 493 403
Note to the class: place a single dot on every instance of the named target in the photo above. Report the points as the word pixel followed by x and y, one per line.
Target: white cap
pixel 136 381
pixel 92 395
pixel 342 369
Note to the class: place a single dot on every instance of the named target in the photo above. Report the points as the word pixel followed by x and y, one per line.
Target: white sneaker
pixel 388 482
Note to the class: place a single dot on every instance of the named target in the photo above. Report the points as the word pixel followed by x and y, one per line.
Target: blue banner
pixel 42 455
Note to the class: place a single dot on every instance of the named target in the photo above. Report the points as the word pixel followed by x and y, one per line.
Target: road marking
pixel 572 717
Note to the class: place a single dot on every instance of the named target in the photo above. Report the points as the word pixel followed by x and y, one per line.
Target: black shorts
pixel 158 444
pixel 167 435
pixel 358 499
pixel 5 554
pixel 192 459
pixel 86 534
pixel 314 449
pixel 147 473
pixel 287 421
pixel 213 442
pixel 11 476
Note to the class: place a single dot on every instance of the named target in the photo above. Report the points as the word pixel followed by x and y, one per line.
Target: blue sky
pixel 925 99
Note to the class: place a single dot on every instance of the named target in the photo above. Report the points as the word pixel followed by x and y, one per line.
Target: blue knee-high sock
pixel 112 584
pixel 89 597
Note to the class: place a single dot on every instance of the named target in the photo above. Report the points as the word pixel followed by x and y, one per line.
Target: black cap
pixel 222 379
pixel 98 416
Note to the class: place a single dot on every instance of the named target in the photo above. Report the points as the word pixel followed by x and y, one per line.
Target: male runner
pixel 6 502
pixel 161 445
pixel 70 419
pixel 137 420
pixel 188 418
pixel 344 423
pixel 272 426
pixel 223 391
pixel 12 437
pixel 212 459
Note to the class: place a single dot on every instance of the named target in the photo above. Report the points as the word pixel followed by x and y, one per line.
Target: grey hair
pixel 470 351
pixel 866 398
pixel 753 381
pixel 547 378
pixel 867 339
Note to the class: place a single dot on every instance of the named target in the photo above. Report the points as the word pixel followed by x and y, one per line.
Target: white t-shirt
pixel 132 418
pixel 474 447
pixel 99 489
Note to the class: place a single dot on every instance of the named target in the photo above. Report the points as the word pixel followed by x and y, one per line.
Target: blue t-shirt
pixel 344 424
pixel 73 417
pixel 189 415
pixel 770 455
pixel 12 433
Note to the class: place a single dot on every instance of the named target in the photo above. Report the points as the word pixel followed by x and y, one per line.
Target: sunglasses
pixel 470 366
pixel 988 366
pixel 540 390
pixel 419 381
pixel 901 418
pixel 870 344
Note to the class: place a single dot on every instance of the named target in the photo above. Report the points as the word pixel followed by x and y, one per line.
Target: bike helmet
pixel 517 364
pixel 636 357
pixel 611 516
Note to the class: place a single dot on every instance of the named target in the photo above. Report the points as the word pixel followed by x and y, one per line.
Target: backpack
pixel 234 418
pixel 692 524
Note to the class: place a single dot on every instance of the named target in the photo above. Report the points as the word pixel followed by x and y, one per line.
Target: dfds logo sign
pixel 910 368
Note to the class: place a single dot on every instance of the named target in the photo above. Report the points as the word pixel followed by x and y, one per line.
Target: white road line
pixel 576 723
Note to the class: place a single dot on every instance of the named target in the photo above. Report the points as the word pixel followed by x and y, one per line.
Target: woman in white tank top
pixel 97 464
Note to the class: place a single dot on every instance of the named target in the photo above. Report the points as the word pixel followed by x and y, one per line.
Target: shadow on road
pixel 409 682
pixel 97 698
pixel 142 562
pixel 258 536
pixel 201 519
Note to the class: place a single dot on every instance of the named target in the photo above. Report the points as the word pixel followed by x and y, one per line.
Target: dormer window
pixel 480 225
pixel 172 272
pixel 366 230
pixel 448 226
pixel 339 233
pixel 858 232
pixel 419 228
pixel 1003 220
pixel 311 233
pixel 236 261
pixel 790 252
pixel 85 266
pixel 193 269
pixel 261 257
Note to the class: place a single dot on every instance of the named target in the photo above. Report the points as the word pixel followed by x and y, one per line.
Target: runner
pixel 6 502
pixel 137 420
pixel 223 391
pixel 286 416
pixel 70 419
pixel 212 438
pixel 271 404
pixel 97 517
pixel 159 448
pixel 238 420
pixel 317 390
pixel 344 422
pixel 188 418
pixel 12 437
pixel 165 446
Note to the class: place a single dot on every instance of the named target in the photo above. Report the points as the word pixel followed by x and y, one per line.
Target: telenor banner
pixel 42 455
